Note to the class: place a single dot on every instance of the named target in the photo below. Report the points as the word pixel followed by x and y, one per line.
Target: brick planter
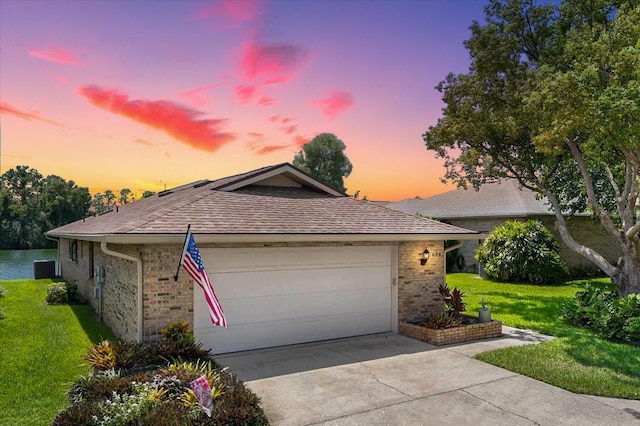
pixel 447 336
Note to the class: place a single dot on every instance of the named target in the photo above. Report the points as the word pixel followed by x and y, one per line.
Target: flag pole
pixel 175 277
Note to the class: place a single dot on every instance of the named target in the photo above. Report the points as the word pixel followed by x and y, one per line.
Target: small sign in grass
pixel 41 349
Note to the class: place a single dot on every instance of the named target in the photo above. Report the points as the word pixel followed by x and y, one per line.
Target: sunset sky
pixel 146 94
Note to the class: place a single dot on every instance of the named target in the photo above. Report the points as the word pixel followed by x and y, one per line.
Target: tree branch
pixel 585 251
pixel 591 194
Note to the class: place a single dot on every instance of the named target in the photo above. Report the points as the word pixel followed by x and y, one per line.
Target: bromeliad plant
pixel 454 304
pixel 451 317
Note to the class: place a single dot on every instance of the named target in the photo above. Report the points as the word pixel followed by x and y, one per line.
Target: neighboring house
pixel 495 203
pixel 291 259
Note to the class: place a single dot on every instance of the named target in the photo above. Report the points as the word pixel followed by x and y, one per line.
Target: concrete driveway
pixel 387 379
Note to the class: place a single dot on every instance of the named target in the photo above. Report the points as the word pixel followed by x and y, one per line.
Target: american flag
pixel 192 263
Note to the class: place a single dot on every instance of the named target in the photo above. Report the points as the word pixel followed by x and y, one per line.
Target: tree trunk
pixel 627 277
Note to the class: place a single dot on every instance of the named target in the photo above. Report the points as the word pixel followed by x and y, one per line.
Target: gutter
pixel 140 298
pixel 207 238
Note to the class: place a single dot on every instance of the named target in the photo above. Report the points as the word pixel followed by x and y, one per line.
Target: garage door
pixel 280 296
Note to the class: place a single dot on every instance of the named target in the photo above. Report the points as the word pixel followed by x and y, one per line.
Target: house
pixel 495 203
pixel 291 259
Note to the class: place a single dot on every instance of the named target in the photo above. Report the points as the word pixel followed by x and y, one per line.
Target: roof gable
pixel 284 174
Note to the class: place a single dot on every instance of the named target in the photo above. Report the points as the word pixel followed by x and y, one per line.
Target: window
pixel 73 250
pixel 91 266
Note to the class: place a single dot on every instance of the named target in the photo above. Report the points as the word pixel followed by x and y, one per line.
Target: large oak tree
pixel 552 99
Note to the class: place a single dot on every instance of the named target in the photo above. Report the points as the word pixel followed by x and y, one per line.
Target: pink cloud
pixel 234 12
pixel 266 101
pixel 245 93
pixel 55 54
pixel 257 143
pixel 301 140
pixel 286 123
pixel 290 129
pixel 198 96
pixel 180 122
pixel 334 104
pixel 274 60
pixel 26 115
pixel 267 149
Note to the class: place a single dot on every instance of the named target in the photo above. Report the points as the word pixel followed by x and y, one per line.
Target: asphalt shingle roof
pixel 252 209
pixel 503 199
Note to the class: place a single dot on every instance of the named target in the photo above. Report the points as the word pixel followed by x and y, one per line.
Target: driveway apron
pixel 386 379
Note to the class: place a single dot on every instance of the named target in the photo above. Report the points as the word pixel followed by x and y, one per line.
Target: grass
pixel 40 351
pixel 577 360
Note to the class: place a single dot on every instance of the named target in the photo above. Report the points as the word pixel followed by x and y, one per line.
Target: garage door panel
pixel 259 284
pixel 263 309
pixel 264 259
pixel 250 336
pixel 277 296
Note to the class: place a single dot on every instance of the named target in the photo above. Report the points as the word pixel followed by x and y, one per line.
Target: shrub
pixel 1 313
pixel 62 293
pixel 2 292
pixel 108 355
pixel 599 308
pixel 179 330
pixel 57 294
pixel 522 252
pixel 149 384
pixel 161 397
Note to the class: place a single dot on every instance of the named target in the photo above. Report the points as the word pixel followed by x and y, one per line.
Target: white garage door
pixel 280 296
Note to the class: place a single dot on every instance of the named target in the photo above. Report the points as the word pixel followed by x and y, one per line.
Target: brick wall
pixel 165 300
pixel 418 294
pixel 118 307
pixel 120 291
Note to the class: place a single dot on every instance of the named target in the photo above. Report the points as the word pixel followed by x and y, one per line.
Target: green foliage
pixel 161 395
pixel 522 252
pixel 441 321
pixel 599 308
pixel 108 355
pixel 454 304
pixel 552 99
pixel 2 293
pixel 31 204
pixel 1 312
pixel 62 293
pixel 178 330
pixel 324 159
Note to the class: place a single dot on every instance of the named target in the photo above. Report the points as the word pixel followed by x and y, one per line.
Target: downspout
pixel 58 265
pixel 447 250
pixel 140 299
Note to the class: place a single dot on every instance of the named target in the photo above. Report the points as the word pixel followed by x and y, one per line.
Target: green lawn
pixel 40 352
pixel 576 360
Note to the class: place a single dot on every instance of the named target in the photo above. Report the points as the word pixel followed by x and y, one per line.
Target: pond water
pixel 17 264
